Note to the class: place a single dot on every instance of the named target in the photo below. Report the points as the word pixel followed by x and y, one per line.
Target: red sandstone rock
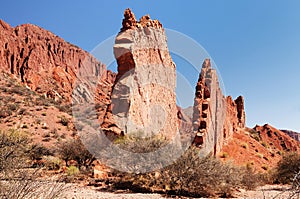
pixel 276 138
pixel 49 65
pixel 215 118
pixel 143 99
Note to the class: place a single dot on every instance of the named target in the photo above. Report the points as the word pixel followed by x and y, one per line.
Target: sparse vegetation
pixel 287 168
pixel 192 176
pixel 244 145
pixel 224 155
pixel 265 144
pixel 73 149
pixel 64 121
pixel 72 170
pixel 16 179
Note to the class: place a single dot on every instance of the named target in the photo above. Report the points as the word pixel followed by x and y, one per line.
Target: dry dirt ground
pixel 265 192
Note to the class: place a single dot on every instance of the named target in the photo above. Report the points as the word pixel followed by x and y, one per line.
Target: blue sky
pixel 254 43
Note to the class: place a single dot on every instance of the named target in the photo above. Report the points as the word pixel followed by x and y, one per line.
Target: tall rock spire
pixel 143 98
pixel 215 118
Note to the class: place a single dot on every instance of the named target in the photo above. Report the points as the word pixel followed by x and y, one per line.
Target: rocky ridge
pixel 51 66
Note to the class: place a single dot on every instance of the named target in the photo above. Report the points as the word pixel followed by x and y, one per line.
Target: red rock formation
pixel 143 99
pixel 49 65
pixel 276 138
pixel 215 118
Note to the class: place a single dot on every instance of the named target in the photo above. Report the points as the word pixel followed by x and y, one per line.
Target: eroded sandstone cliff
pixel 215 118
pixel 143 97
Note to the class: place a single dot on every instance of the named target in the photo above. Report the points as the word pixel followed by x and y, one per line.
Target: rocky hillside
pixel 261 147
pixel 51 66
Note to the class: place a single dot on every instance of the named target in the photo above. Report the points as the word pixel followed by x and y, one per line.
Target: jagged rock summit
pixel 215 118
pixel 143 97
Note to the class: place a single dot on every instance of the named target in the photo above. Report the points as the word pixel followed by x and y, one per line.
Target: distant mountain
pixel 292 134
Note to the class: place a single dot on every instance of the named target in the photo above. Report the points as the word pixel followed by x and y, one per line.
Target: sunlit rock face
pixel 50 66
pixel 143 97
pixel 215 118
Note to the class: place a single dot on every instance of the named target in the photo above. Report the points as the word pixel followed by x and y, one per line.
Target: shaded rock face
pixel 51 66
pixel 143 97
pixel 215 118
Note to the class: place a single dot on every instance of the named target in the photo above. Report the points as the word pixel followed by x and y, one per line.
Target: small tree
pixel 287 168
pixel 73 149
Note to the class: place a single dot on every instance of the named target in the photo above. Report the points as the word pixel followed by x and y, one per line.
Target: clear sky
pixel 254 43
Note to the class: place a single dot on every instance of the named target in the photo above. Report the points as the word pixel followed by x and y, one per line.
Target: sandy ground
pixel 265 192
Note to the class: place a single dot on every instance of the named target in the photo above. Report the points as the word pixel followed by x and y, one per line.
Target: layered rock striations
pixel 143 97
pixel 215 118
pixel 51 66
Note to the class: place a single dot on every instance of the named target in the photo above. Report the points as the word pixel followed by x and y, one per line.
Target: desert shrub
pixel 265 145
pixel 73 149
pixel 72 170
pixel 254 134
pixel 17 180
pixel 46 139
pixel 259 155
pixel 37 151
pixel 64 121
pixel 244 145
pixel 295 190
pixel 251 179
pixel 224 155
pixel 52 163
pixel 66 108
pixel 12 107
pixel 13 144
pixel 265 167
pixel 136 144
pixel 192 176
pixel 287 168
pixel 5 113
